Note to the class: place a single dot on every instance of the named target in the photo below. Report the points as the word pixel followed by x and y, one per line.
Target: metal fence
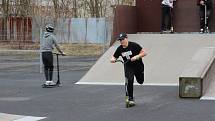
pixel 80 30
pixel 21 33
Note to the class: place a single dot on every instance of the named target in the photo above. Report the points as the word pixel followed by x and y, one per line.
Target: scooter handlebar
pixel 119 61
pixel 63 54
pixel 122 61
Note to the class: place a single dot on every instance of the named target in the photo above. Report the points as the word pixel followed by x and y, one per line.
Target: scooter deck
pixel 51 86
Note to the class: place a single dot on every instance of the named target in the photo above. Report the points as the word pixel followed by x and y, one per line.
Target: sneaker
pixel 207 30
pixel 50 83
pixel 171 30
pixel 131 102
pixel 47 82
pixel 201 31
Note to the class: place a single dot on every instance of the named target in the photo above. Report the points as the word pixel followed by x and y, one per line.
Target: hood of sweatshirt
pixel 47 34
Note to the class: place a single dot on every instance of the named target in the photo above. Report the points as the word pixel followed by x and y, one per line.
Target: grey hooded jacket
pixel 48 41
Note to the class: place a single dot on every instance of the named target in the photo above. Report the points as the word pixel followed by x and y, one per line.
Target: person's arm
pixel 115 56
pixel 57 46
pixel 58 49
pixel 113 59
pixel 140 55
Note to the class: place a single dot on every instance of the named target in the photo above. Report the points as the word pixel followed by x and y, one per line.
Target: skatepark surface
pixel 93 88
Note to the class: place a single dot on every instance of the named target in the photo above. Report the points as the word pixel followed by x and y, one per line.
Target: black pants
pixel 166 21
pixel 48 65
pixel 202 17
pixel 129 74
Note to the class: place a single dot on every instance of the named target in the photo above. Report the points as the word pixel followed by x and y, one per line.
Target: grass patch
pixel 69 49
pixel 83 49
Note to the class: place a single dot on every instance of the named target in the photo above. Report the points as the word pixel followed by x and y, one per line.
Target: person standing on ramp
pixel 131 53
pixel 205 9
pixel 166 20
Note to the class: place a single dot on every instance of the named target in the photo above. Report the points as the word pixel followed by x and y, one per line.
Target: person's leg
pixel 46 67
pixel 169 18
pixel 202 19
pixel 129 74
pixel 163 18
pixel 208 16
pixel 139 76
pixel 50 65
pixel 46 72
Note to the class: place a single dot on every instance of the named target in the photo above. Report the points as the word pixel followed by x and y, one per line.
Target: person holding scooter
pixel 132 54
pixel 48 43
pixel 205 9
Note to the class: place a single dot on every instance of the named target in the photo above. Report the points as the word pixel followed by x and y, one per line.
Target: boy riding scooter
pixel 132 54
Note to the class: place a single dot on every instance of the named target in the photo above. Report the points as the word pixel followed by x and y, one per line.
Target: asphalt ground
pixel 21 94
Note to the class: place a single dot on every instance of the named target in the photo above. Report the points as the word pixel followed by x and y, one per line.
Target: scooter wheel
pixel 126 102
pixel 131 105
pixel 43 86
pixel 59 85
pixel 127 105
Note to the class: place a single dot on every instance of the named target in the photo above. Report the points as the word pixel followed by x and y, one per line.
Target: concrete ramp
pixel 11 117
pixel 210 92
pixel 167 56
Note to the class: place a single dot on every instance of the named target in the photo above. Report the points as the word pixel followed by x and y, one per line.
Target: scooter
pixel 171 16
pixel 127 104
pixel 58 83
pixel 206 30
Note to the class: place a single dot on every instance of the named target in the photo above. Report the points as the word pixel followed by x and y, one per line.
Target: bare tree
pixel 23 8
pixel 56 10
pixel 94 7
pixel 5 14
pixel 60 8
pixel 75 7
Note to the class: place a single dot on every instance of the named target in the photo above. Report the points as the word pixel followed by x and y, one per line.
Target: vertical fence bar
pixel 105 38
pixel 41 65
